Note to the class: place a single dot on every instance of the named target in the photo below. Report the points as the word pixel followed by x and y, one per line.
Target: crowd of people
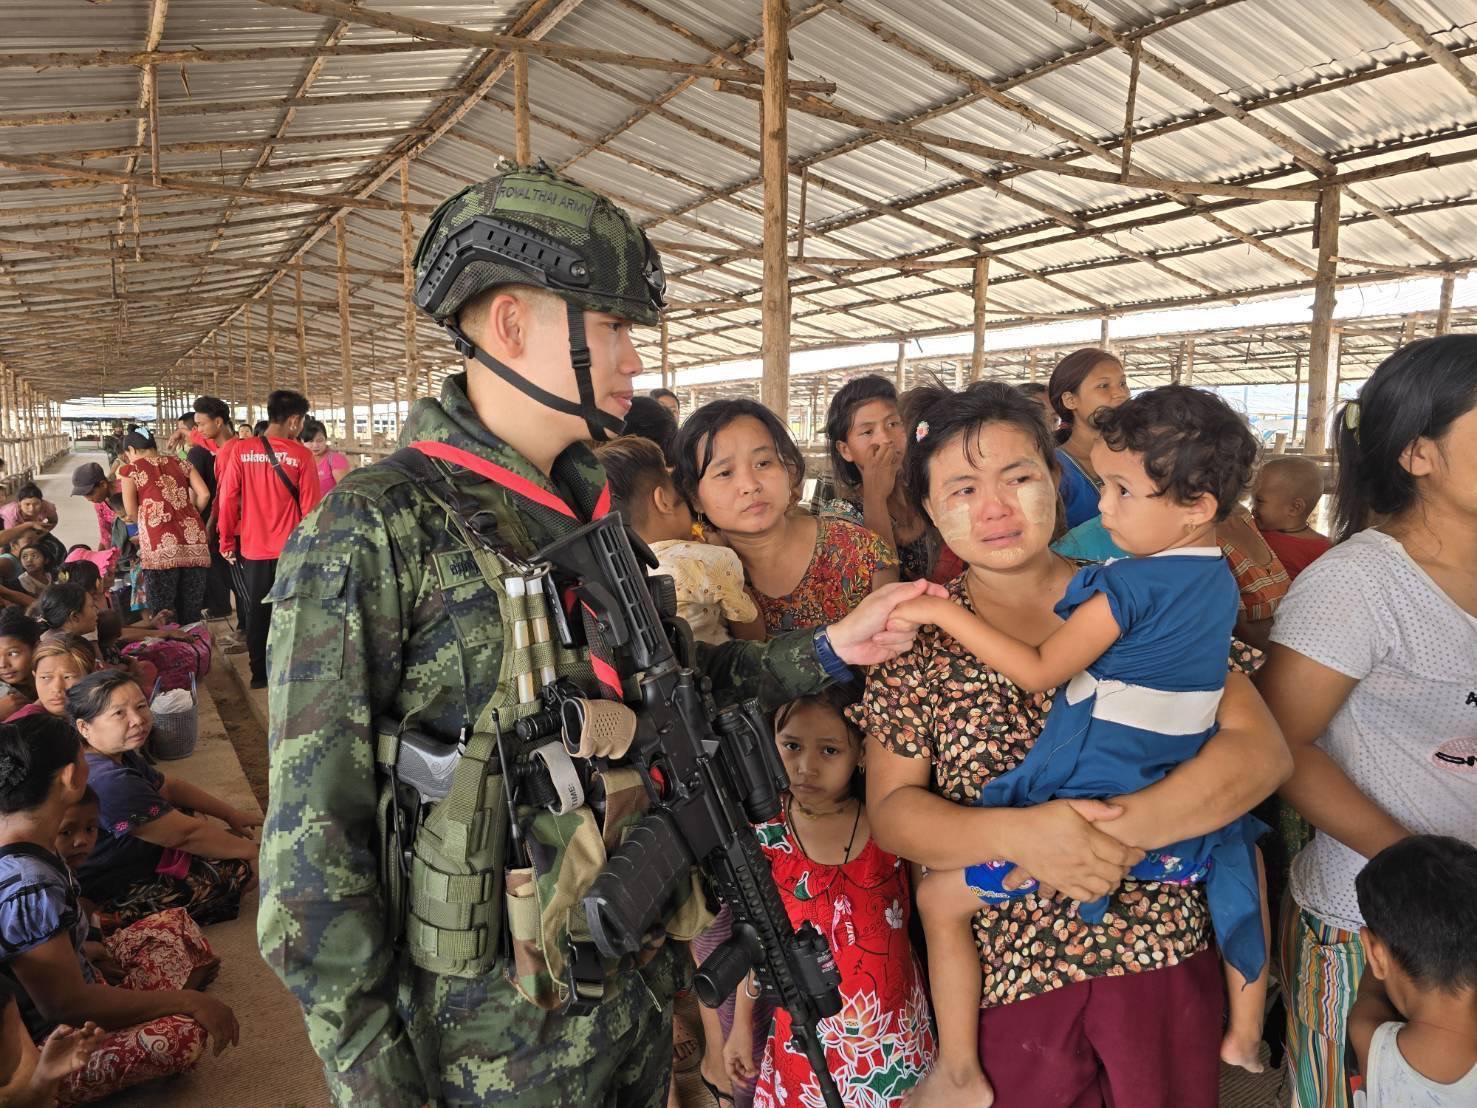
pixel 1065 760
pixel 1098 750
pixel 108 867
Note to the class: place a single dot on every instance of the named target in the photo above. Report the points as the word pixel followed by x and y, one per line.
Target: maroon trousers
pixel 1143 1040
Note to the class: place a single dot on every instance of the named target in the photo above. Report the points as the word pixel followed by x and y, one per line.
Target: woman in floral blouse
pixel 1128 1010
pixel 165 497
pixel 738 465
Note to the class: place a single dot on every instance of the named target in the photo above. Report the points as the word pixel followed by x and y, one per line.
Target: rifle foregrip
pixel 634 888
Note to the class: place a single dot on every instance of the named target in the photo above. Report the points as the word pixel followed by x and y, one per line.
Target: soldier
pixel 384 611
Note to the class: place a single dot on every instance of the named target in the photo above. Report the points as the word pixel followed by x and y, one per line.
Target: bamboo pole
pixel 271 345
pixel 1104 340
pixel 980 291
pixel 1297 398
pixel 109 177
pixel 137 59
pixel 774 161
pixel 407 274
pixel 901 367
pixel 1443 313
pixel 1187 371
pixel 1126 152
pixel 1427 42
pixel 523 149
pixel 346 351
pixel 151 90
pixel 666 357
pixel 739 71
pixel 1321 349
pixel 302 337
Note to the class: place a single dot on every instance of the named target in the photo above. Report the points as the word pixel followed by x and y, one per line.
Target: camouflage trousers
pixel 490 1046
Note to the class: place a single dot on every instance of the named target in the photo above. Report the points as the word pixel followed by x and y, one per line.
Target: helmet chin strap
pixel 601 425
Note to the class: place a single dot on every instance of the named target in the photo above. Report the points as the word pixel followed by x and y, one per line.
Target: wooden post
pixel 231 385
pixel 215 363
pixel 346 350
pixel 395 412
pixel 302 338
pixel 1297 397
pixel 1104 340
pixel 1407 331
pixel 522 147
pixel 1187 371
pixel 1443 313
pixel 407 254
pixel 774 388
pixel 1033 367
pixel 981 288
pixel 271 345
pixel 666 357
pixel 250 385
pixel 1320 345
pixel 901 368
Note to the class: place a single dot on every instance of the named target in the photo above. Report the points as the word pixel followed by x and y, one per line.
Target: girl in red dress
pixel 830 872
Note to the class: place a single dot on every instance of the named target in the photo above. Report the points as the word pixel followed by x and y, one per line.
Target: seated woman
pixel 739 466
pixel 149 1033
pixel 19 634
pixel 153 855
pixel 151 648
pixel 29 507
pixel 35 575
pixel 57 664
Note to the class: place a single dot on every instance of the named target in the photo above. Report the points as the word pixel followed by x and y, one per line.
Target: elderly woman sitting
pixel 154 852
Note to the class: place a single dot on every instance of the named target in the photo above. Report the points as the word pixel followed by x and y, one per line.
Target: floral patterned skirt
pixel 159 952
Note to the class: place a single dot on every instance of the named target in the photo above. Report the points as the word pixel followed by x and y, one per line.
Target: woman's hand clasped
pixel 873 632
pixel 1060 847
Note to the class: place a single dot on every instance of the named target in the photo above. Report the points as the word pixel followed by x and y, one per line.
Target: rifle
pixel 710 776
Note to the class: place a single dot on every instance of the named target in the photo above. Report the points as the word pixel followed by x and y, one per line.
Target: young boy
pixel 1286 493
pixel 709 579
pixel 1413 1027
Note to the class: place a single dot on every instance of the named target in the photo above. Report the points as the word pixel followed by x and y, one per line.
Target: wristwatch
pixel 830 661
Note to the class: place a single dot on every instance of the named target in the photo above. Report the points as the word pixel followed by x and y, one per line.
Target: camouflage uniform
pixel 378 613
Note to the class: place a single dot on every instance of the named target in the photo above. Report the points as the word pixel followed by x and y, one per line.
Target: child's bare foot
pixel 201 977
pixel 941 1089
pixel 1243 1049
pixel 65 1050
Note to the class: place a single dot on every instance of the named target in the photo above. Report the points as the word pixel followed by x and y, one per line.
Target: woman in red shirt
pixel 165 497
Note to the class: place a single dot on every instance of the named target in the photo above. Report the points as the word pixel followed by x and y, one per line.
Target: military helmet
pixel 527 225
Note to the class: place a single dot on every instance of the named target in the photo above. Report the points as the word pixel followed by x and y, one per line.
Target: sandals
pixel 713 1091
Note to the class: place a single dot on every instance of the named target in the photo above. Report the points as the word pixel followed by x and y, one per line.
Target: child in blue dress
pixel 1143 657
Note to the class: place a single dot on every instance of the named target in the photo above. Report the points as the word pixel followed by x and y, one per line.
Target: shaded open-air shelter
pixel 223 195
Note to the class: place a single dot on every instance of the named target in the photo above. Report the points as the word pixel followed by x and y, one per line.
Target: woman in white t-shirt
pixel 1372 675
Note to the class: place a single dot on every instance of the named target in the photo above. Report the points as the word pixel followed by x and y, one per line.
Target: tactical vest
pixel 454 900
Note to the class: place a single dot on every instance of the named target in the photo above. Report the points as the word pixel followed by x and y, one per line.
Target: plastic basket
pixel 175 733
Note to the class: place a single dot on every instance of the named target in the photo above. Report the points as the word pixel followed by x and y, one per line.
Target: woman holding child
pixel 738 465
pixel 1131 1005
pixel 1371 676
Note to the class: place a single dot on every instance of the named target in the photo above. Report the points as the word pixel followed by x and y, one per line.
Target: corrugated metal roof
pixel 1330 75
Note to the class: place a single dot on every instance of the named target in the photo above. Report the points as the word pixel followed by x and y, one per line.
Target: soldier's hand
pixel 871 633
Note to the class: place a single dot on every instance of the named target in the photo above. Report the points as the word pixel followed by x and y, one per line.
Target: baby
pixel 1286 494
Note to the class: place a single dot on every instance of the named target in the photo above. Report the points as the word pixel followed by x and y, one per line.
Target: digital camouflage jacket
pixel 377 613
